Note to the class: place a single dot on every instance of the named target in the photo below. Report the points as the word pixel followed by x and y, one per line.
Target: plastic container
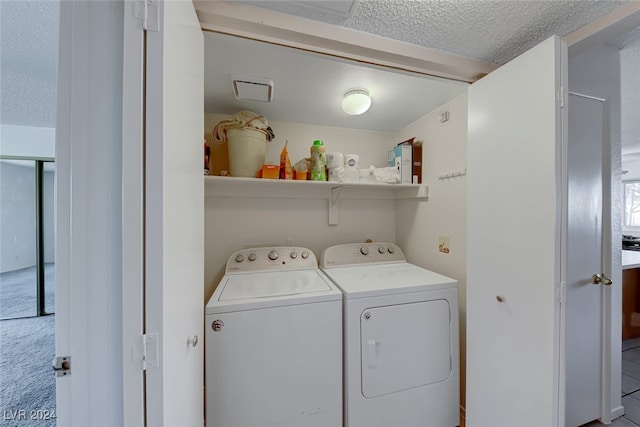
pixel 335 160
pixel 247 148
pixel 318 161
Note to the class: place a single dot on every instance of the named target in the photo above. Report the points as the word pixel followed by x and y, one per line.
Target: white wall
pixel 629 62
pixel 18 226
pixel 18 195
pixel 18 215
pixel 419 225
pixel 597 73
pixel 27 141
pixel 232 223
pixel 630 125
pixel 631 164
pixel 371 146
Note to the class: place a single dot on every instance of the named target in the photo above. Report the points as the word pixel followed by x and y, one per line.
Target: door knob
pixel 193 341
pixel 601 278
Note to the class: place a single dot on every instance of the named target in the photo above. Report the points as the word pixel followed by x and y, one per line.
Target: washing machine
pixel 274 342
pixel 401 346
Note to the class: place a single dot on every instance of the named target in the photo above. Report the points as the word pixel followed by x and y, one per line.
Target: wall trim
pixel 286 30
pixel 617 22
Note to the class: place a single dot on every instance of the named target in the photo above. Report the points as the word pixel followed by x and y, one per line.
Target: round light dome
pixel 356 101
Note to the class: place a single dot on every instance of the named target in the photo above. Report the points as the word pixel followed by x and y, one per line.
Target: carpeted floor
pixel 27 347
pixel 18 292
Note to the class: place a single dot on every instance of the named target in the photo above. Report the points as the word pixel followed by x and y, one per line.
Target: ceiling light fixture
pixel 356 101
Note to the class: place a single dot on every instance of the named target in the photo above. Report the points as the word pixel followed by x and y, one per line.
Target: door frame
pixel 133 250
pixel 269 26
pixel 88 185
pixel 619 21
pixel 606 413
pixel 319 37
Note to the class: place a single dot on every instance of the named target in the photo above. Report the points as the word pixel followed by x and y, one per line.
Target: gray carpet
pixel 27 346
pixel 18 292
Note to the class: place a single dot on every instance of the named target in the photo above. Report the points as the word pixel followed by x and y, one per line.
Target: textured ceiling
pixel 28 62
pixel 492 31
pixel 488 30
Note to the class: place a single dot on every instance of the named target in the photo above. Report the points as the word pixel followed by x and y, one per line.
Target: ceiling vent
pixel 252 88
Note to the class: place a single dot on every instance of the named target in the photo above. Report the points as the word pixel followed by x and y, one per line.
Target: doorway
pixel 29 46
pixel 27 291
pixel 27 260
pixel 597 67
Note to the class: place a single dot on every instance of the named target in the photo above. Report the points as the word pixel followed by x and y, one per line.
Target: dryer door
pixel 404 346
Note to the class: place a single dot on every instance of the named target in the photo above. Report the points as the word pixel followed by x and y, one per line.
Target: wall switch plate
pixel 444 244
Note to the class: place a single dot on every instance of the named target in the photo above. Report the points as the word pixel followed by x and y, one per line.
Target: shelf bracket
pixel 334 205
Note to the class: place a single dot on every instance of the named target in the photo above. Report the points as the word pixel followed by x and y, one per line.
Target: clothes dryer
pixel 274 343
pixel 400 338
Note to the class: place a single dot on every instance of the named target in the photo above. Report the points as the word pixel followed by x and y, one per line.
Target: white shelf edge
pixel 220 186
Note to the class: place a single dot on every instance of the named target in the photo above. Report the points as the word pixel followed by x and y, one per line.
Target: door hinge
pixel 562 97
pixel 62 366
pixel 148 12
pixel 148 352
pixel 561 293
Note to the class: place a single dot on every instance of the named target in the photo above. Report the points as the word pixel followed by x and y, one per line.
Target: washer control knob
pixel 239 258
pixel 305 254
pixel 252 257
pixel 381 249
pixel 364 250
pixel 273 255
pixel 390 249
pixel 293 255
pixel 217 325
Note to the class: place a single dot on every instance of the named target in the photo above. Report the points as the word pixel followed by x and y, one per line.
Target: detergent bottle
pixel 318 161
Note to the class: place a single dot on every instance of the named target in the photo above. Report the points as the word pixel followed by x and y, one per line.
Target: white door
pixel 89 214
pixel 174 216
pixel 516 211
pixel 584 258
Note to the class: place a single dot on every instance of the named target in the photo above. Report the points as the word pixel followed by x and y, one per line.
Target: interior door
pixel 584 258
pixel 515 250
pixel 89 214
pixel 174 216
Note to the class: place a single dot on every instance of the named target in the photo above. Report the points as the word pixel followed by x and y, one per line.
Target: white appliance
pixel 274 342
pixel 400 338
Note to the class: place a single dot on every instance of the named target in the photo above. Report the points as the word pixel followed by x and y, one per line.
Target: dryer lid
pixel 386 279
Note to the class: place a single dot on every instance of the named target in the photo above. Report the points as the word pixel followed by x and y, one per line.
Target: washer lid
pixel 272 289
pixel 386 279
pixel 275 284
